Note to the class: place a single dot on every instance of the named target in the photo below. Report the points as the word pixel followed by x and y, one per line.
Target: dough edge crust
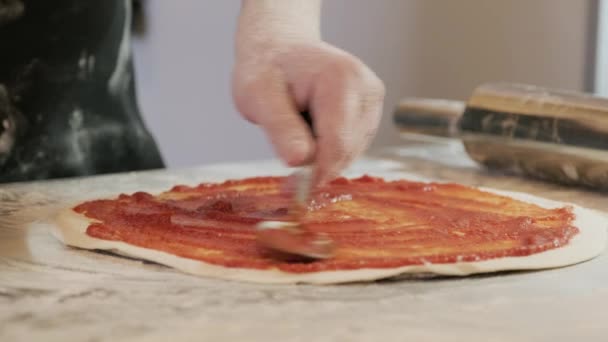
pixel 70 227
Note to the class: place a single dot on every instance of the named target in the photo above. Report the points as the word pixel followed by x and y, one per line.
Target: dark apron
pixel 67 97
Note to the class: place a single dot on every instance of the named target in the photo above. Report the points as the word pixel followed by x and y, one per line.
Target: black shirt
pixel 67 98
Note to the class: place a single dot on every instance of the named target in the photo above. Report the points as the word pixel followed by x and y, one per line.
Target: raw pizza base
pixel 70 228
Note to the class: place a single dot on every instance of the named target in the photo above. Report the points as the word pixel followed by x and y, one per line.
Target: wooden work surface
pixel 49 292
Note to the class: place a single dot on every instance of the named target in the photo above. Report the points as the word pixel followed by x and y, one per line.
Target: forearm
pixel 275 22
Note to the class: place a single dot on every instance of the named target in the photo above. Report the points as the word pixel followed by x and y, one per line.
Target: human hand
pixel 282 71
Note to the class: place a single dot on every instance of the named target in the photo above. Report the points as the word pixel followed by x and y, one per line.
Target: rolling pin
pixel 553 135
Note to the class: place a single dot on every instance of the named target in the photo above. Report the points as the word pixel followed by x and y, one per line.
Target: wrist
pixel 267 25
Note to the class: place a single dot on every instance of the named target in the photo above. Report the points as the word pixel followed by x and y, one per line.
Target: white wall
pixel 418 47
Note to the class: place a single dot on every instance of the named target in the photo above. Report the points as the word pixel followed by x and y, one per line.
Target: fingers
pixel 267 102
pixel 347 105
pixel 372 105
pixel 335 106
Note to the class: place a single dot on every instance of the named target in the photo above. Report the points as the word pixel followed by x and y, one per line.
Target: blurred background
pixel 424 48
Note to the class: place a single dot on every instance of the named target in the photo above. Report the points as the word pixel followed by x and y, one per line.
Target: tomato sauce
pixel 374 223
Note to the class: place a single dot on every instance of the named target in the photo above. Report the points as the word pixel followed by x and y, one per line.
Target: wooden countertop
pixel 52 293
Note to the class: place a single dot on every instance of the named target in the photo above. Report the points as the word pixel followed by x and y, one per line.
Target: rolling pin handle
pixel 434 117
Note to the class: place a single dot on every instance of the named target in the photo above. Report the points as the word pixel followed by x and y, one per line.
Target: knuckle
pixel 373 100
pixel 244 95
pixel 377 87
pixel 347 67
pixel 350 70
pixel 252 91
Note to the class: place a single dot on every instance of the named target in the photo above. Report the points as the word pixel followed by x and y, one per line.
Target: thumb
pixel 268 103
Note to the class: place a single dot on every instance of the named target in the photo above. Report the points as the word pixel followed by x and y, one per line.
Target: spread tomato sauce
pixel 374 223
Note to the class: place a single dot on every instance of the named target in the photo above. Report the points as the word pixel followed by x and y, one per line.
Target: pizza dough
pixel 70 228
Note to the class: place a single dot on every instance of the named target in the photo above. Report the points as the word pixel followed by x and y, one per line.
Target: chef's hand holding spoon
pixel 283 68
